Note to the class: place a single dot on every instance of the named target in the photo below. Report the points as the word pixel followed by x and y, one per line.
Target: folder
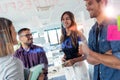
pixel 35 72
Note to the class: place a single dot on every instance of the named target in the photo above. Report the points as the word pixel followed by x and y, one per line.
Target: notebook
pixel 35 72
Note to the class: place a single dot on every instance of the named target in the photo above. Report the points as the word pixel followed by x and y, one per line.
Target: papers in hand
pixel 35 72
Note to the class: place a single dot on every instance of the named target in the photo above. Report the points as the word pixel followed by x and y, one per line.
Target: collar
pixel 107 21
pixel 22 49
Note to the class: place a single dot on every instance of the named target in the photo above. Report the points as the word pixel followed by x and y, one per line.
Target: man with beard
pixel 30 54
pixel 103 54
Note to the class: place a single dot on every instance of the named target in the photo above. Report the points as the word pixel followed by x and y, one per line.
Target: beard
pixel 29 43
pixel 94 13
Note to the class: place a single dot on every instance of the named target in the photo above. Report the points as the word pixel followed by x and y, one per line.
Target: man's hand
pixel 83 49
pixel 109 52
pixel 41 76
pixel 63 59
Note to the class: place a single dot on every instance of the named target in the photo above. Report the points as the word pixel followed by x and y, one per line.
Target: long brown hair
pixel 73 34
pixel 6 41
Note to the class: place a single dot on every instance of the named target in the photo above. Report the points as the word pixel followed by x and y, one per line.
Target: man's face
pixel 26 37
pixel 93 7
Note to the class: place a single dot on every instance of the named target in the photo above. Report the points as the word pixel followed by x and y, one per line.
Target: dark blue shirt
pixel 68 48
pixel 101 46
pixel 36 55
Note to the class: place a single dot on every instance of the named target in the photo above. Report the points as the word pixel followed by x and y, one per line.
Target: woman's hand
pixel 69 63
pixel 64 58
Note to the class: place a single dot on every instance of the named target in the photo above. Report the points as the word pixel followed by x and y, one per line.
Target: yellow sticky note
pixel 118 22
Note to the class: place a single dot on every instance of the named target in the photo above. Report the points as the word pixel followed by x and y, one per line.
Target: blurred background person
pixel 11 68
pixel 30 54
pixel 73 61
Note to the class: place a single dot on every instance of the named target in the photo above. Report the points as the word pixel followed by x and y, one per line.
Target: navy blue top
pixel 104 72
pixel 68 48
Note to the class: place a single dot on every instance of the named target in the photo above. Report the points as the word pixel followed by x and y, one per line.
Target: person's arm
pixel 64 58
pixel 41 76
pixel 95 61
pixel 92 60
pixel 44 60
pixel 83 39
pixel 81 58
pixel 107 58
pixel 74 60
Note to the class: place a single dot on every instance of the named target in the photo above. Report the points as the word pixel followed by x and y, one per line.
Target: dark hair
pixel 5 22
pixel 106 1
pixel 6 40
pixel 71 15
pixel 23 29
pixel 73 35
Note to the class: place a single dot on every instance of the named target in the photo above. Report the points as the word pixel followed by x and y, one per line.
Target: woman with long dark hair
pixel 75 68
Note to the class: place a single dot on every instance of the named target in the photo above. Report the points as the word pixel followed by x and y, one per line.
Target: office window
pixel 53 36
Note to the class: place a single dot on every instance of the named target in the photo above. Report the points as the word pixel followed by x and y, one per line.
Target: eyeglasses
pixel 27 35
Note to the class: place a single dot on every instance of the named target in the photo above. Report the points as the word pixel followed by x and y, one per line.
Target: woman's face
pixel 66 21
pixel 13 33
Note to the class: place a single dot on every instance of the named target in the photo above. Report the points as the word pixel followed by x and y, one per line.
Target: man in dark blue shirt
pixel 30 54
pixel 105 55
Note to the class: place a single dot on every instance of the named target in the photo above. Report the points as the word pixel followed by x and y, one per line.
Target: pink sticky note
pixel 113 34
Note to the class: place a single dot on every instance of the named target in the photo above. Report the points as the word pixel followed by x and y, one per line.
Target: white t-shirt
pixel 11 68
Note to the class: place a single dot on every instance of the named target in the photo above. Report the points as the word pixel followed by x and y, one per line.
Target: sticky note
pixel 113 34
pixel 118 22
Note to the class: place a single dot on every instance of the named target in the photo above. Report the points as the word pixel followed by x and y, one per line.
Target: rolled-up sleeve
pixel 115 45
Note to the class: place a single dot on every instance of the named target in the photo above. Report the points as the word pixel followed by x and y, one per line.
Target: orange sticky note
pixel 113 34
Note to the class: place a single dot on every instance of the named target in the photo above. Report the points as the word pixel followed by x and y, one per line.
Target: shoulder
pixel 15 70
pixel 94 26
pixel 92 30
pixel 15 63
pixel 19 49
pixel 81 36
pixel 11 60
pixel 38 48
